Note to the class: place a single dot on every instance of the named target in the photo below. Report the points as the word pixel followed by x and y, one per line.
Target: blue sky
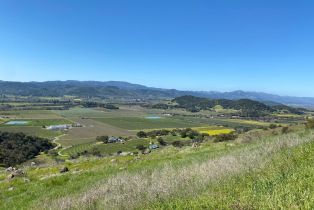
pixel 223 45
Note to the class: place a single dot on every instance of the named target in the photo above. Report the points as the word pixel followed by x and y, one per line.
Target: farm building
pixel 77 125
pixel 113 139
pixel 58 127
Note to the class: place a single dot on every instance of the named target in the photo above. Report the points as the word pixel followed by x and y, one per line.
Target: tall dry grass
pixel 129 190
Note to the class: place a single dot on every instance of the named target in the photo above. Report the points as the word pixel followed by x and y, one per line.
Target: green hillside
pixel 262 173
pixel 246 107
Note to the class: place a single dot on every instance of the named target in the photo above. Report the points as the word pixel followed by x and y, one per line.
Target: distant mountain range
pixel 117 89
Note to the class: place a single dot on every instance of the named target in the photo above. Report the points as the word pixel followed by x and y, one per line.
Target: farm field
pixel 2 121
pixel 100 113
pixel 68 141
pixel 126 121
pixel 73 150
pixel 289 116
pixel 248 122
pixel 136 123
pixel 31 131
pixel 212 131
pixel 41 122
pixel 90 130
pixel 128 146
pixel 108 149
pixel 31 114
pixel 219 122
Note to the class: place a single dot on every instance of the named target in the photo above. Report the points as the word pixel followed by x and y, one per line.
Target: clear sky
pixel 223 45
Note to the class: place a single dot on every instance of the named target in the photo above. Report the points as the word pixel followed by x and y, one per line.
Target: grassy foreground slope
pixel 275 172
pixel 286 182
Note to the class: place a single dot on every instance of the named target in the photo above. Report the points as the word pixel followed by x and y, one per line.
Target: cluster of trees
pixel 103 139
pixel 94 151
pixel 92 104
pixel 247 107
pixel 157 106
pixel 183 133
pixel 288 109
pixel 192 134
pixel 16 148
pixel 153 133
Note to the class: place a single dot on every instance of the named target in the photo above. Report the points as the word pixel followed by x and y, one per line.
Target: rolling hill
pixel 118 89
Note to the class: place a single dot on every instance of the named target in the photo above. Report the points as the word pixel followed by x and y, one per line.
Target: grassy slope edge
pixel 286 182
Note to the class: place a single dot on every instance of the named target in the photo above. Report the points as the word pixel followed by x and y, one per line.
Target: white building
pixel 58 127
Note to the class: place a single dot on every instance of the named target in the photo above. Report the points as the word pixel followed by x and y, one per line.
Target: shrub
pixel 173 133
pixel 95 151
pixel 284 130
pixel 53 153
pixel 161 141
pixel 141 134
pixel 183 134
pixel 164 132
pixel 225 137
pixel 177 144
pixel 205 135
pixel 152 135
pixel 140 147
pixel 310 123
pixel 199 138
pixel 103 139
pixel 155 133
pixel 272 126
pixel 192 134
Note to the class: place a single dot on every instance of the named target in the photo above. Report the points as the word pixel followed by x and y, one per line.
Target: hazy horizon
pixel 260 46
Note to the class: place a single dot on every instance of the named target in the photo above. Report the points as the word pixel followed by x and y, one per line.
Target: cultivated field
pixel 31 131
pixel 128 146
pixel 213 130
pixel 126 122
pixel 90 130
pixel 31 114
pixel 137 123
pixel 41 122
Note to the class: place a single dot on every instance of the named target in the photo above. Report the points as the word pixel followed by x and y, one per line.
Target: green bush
pixel 284 130
pixel 141 134
pixel 103 139
pixel 140 147
pixel 272 126
pixel 225 137
pixel 310 123
pixel 177 144
pixel 161 141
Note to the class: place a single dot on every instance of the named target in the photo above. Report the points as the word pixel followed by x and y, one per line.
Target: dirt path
pixel 59 145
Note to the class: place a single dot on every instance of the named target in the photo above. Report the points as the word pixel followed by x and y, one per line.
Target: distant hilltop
pixel 120 89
